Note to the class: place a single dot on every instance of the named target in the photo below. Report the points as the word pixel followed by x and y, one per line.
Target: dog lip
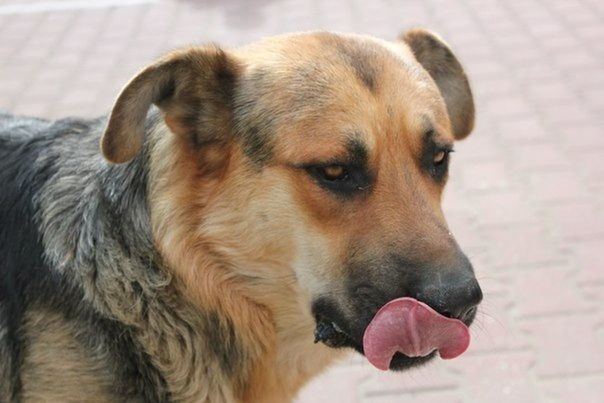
pixel 332 335
pixel 337 328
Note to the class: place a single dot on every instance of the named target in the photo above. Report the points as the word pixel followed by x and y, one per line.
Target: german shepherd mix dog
pixel 251 212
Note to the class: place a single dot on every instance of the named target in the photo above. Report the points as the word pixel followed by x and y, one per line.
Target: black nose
pixel 452 294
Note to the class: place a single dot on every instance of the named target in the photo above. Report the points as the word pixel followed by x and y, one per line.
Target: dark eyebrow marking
pixel 357 152
pixel 431 136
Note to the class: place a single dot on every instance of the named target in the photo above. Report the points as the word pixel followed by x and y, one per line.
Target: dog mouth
pixel 403 333
pixel 332 335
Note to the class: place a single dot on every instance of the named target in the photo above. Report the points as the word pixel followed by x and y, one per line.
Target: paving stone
pixel 522 247
pixel 588 260
pixel 587 388
pixel 422 396
pixel 566 345
pixel 556 295
pixel 511 370
pixel 577 221
pixel 495 329
pixel 433 376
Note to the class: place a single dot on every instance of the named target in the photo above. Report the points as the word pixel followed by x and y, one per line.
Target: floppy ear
pixel 446 71
pixel 192 88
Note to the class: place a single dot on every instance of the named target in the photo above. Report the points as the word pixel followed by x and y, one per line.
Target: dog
pixel 251 213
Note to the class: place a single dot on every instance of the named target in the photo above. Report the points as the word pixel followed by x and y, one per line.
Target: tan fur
pixel 219 265
pixel 54 351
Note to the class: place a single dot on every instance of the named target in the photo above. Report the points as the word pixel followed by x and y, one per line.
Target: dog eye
pixel 334 173
pixel 342 179
pixel 437 162
pixel 441 156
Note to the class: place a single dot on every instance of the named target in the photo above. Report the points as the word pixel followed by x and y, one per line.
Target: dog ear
pixel 446 71
pixel 192 88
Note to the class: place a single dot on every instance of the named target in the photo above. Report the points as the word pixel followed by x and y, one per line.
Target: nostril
pixel 468 313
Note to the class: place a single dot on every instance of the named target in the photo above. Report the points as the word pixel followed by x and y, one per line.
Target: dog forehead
pixel 330 85
pixel 328 56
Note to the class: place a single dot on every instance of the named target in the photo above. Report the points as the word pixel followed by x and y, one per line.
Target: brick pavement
pixel 526 195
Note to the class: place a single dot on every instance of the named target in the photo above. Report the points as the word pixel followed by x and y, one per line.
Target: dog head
pixel 311 167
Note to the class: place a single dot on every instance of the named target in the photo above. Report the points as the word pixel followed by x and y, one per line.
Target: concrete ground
pixel 525 198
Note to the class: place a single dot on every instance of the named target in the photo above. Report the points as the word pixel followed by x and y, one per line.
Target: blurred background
pixel 525 198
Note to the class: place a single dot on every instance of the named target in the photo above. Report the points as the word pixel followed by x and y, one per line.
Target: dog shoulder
pixel 53 343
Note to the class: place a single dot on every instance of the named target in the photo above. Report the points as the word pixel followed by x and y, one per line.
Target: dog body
pixel 287 184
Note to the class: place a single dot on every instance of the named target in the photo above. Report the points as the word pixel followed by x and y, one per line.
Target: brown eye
pixel 440 157
pixel 334 172
pixel 341 179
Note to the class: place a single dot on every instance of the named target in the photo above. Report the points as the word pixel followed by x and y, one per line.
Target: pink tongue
pixel 414 329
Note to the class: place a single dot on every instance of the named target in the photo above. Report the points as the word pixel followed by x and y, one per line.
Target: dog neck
pixel 255 295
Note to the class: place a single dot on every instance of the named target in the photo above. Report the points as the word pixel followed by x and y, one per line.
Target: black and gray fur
pixel 78 258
